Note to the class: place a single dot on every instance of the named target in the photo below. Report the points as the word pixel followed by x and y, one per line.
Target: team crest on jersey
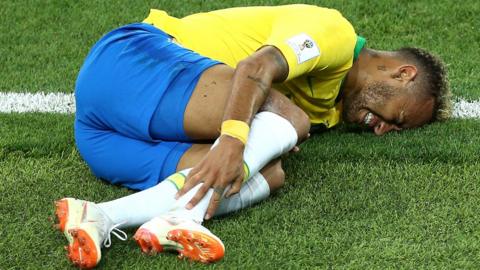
pixel 304 47
pixel 307 44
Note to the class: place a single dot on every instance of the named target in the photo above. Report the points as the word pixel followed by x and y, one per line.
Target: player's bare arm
pixel 223 165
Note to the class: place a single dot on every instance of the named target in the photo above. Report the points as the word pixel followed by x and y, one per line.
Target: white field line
pixel 65 103
pixel 37 102
pixel 466 109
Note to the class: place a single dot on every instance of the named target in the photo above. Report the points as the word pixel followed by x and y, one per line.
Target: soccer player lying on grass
pixel 150 99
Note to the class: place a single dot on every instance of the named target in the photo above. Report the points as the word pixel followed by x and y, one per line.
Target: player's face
pixel 382 108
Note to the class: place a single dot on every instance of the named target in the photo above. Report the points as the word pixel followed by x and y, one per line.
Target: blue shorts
pixel 131 94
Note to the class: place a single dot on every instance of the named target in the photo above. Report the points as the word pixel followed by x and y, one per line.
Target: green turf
pixel 352 200
pixel 407 200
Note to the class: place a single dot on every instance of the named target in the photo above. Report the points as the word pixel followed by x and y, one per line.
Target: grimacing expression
pixel 382 108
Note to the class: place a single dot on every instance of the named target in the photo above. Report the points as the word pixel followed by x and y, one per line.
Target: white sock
pixel 197 213
pixel 270 136
pixel 253 191
pixel 140 207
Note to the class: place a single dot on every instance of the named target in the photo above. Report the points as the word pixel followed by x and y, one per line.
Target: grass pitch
pixel 352 200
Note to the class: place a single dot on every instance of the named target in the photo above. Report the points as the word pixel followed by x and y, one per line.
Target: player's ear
pixel 405 73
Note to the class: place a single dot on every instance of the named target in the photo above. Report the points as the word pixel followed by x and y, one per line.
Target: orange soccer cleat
pixel 87 228
pixel 190 239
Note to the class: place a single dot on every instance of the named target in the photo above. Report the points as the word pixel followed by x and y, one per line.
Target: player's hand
pixel 220 168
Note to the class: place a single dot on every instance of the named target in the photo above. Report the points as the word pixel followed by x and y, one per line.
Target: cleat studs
pixel 172 237
pixel 144 245
pixel 82 241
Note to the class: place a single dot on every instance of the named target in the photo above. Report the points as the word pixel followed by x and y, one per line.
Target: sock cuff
pixel 178 179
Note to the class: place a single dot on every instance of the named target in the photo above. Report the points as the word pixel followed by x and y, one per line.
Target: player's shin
pixel 253 191
pixel 140 207
pixel 270 136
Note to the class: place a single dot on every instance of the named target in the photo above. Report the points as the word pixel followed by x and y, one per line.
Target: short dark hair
pixel 434 82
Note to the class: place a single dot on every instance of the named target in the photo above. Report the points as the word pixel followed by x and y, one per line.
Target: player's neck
pixel 357 75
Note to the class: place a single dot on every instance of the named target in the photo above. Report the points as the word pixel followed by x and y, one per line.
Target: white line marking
pixel 466 109
pixel 65 103
pixel 37 102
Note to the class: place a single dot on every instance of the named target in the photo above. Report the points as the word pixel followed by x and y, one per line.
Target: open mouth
pixel 371 120
pixel 368 119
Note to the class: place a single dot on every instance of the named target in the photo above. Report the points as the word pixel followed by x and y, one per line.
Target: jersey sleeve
pixel 312 38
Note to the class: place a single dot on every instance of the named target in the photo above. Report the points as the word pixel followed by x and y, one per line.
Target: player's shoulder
pixel 314 16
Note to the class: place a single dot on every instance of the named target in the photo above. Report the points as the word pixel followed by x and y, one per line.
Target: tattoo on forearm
pixel 263 86
pixel 281 64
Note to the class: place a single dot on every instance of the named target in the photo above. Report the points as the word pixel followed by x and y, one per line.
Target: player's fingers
pixel 198 196
pixel 214 201
pixel 235 188
pixel 189 184
pixel 194 171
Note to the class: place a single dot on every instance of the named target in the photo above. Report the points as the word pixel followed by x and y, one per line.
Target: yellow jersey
pixel 318 44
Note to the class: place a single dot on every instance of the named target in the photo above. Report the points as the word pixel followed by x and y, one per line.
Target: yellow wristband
pixel 235 128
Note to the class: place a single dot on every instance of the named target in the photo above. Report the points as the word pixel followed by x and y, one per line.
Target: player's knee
pixel 299 120
pixel 302 124
pixel 281 105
